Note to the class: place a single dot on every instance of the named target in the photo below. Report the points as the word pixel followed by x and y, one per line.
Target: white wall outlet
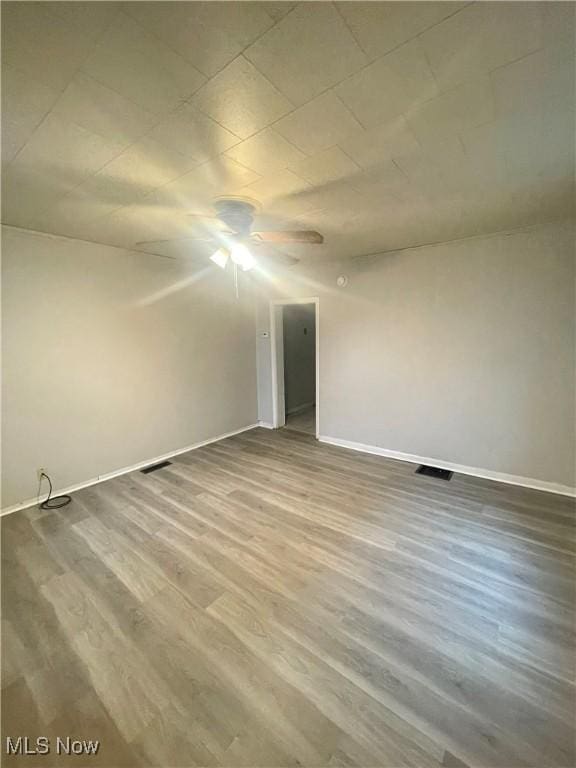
pixel 39 472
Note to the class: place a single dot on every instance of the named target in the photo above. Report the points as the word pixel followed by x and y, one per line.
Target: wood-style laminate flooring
pixel 273 601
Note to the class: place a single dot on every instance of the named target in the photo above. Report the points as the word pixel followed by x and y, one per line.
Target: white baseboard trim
pixel 265 425
pixel 125 470
pixel 486 474
pixel 300 408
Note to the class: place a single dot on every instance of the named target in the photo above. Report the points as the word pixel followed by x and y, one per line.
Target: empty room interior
pixel 288 384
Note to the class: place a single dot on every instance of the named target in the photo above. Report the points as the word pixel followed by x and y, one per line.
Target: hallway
pixel 303 421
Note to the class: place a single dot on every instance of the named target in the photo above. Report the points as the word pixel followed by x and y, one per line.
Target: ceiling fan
pixel 234 243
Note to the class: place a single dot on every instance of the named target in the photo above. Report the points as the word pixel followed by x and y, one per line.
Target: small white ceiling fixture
pixel 220 257
pixel 240 255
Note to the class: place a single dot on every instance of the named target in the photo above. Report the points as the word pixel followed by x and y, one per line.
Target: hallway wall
pixel 299 356
pixel 462 352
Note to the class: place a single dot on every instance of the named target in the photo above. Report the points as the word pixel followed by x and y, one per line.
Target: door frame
pixel 277 358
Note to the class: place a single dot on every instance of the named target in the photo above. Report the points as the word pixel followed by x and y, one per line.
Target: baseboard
pixel 125 470
pixel 300 408
pixel 486 474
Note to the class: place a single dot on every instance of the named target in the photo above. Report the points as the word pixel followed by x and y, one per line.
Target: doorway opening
pixel 294 336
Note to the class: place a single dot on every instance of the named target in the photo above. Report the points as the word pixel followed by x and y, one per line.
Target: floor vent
pixel 154 467
pixel 439 474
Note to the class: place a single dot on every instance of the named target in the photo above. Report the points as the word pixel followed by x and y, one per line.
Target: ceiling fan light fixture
pixel 242 257
pixel 220 257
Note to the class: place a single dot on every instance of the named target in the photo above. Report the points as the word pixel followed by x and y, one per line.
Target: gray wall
pixel 105 367
pixel 462 352
pixel 299 324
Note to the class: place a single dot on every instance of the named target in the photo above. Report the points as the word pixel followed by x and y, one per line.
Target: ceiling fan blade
pixel 177 240
pixel 283 259
pixel 274 256
pixel 306 236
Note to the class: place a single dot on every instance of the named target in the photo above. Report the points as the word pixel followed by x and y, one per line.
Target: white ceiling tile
pixel 277 8
pixel 319 124
pixel 208 34
pixel 384 180
pixel 24 103
pixel 332 208
pixel 372 147
pixel 558 148
pixel 26 194
pixel 445 167
pixel 539 204
pixel 439 173
pixel 41 44
pixel 72 214
pixel 329 221
pixel 127 226
pixel 190 132
pixel 381 26
pixel 133 62
pixel 329 165
pixel 101 110
pixel 298 53
pixel 536 117
pixel 525 154
pixel 442 221
pixel 335 196
pixel 49 204
pixel 108 192
pixel 90 18
pixel 390 86
pixel 130 177
pixel 58 157
pixel 65 151
pixel 484 147
pixel 263 221
pixel 538 149
pixel 148 220
pixel 447 115
pixel 538 82
pixel 201 185
pixel 146 164
pixel 559 25
pixel 480 38
pixel 277 185
pixel 489 214
pixel 265 152
pixel 241 99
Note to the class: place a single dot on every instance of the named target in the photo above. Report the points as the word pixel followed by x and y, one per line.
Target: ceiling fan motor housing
pixel 238 215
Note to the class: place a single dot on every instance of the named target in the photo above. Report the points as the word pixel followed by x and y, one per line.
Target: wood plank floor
pixel 272 601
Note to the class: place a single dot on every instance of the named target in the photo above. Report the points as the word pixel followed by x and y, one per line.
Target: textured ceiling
pixel 381 124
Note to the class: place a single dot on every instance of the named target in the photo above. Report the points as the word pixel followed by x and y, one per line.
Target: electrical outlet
pixel 39 472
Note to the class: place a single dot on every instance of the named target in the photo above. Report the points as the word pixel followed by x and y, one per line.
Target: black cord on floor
pixel 57 501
